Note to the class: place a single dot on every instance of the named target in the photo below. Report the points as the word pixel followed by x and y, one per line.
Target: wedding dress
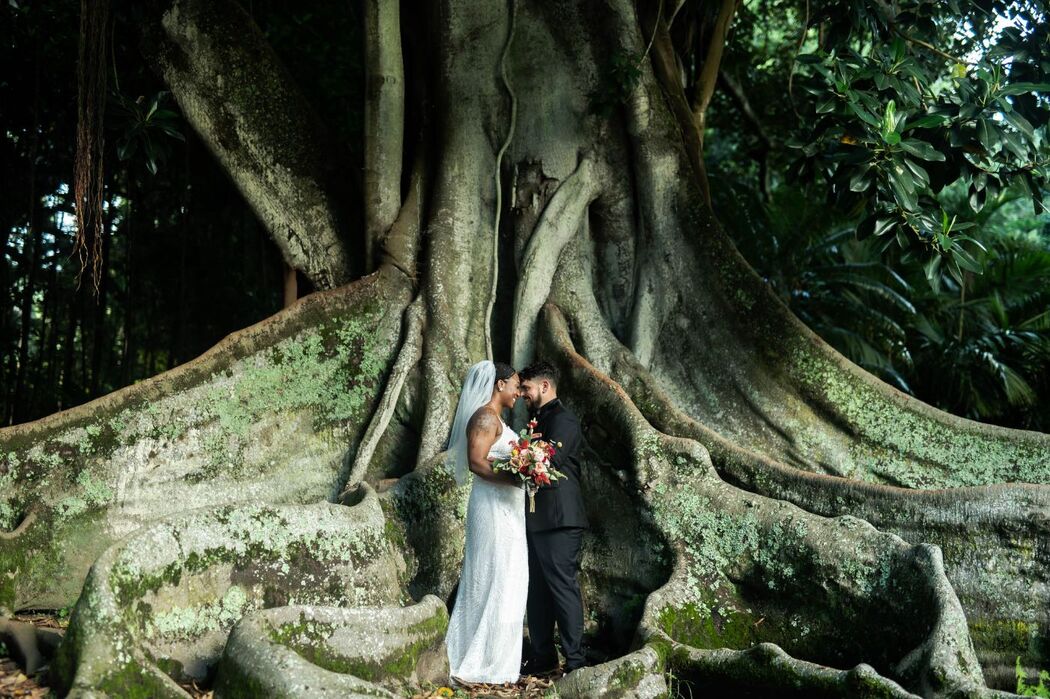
pixel 485 631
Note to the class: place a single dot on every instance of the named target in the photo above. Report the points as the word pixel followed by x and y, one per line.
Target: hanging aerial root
pixel 751 570
pixel 407 358
pixel 499 176
pixel 384 120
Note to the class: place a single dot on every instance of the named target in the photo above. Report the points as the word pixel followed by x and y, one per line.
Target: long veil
pixel 477 391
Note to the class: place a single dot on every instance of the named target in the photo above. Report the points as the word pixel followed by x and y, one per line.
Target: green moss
pixel 31 568
pixel 904 446
pixel 699 628
pixel 193 621
pixel 134 682
pixel 170 667
pixel 309 639
pixel 66 467
pixel 628 674
pixel 1008 636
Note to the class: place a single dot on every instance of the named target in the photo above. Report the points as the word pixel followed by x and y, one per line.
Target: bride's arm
pixel 483 430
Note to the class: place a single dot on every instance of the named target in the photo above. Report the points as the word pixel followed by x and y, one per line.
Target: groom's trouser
pixel 554 595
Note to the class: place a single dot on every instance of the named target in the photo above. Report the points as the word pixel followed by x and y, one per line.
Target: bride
pixel 485 631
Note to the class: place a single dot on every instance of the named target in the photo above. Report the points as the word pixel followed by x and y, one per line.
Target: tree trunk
pixel 66 380
pixel 31 258
pixel 767 517
pixel 128 346
pixel 251 115
pixel 56 293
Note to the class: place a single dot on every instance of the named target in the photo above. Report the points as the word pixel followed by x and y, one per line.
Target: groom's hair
pixel 503 372
pixel 539 370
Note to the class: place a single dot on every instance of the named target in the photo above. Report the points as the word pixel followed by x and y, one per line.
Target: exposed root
pixel 401 244
pixel 432 509
pixel 233 90
pixel 23 525
pixel 330 651
pixel 30 645
pixel 562 218
pixel 235 345
pixel 752 570
pixel 268 415
pixel 407 358
pixel 441 386
pixel 993 536
pixel 639 675
pixel 762 668
pixel 163 601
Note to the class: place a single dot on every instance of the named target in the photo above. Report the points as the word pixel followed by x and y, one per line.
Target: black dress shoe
pixel 539 668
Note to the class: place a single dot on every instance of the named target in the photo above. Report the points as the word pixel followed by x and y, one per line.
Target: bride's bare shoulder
pixel 484 421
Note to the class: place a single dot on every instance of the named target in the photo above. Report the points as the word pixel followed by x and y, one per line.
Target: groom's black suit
pixel 555 535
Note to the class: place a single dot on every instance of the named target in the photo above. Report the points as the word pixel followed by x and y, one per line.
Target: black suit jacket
pixel 561 503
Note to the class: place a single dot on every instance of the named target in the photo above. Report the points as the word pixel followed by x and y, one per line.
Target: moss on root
pixel 915 446
pixel 309 638
pixel 173 590
pixel 701 627
pixel 431 507
pixel 308 376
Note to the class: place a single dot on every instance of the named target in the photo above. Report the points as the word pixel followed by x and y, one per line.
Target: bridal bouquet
pixel 530 459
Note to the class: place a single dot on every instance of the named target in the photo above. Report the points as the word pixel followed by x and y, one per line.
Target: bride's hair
pixel 503 372
pixel 478 386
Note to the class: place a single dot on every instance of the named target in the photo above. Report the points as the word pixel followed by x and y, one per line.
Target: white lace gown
pixel 485 631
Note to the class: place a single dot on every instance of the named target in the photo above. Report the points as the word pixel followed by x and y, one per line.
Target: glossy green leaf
pixel 1024 88
pixel 928 121
pixel 922 149
pixel 1020 123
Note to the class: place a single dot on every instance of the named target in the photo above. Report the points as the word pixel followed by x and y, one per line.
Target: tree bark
pixel 384 121
pixel 706 81
pixel 233 90
pixel 291 293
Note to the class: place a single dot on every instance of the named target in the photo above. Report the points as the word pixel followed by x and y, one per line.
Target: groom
pixel 554 531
